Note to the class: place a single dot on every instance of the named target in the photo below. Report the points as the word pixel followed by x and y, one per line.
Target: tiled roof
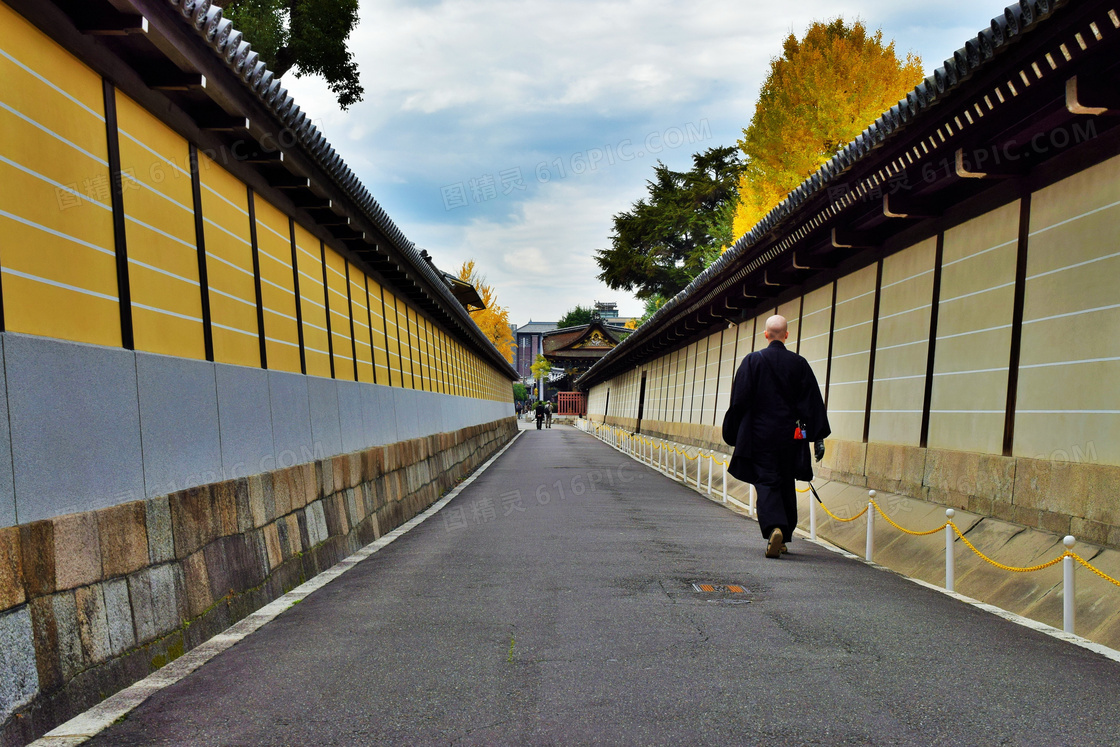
pixel 230 46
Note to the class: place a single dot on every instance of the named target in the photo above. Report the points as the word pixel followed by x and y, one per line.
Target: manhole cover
pixel 720 588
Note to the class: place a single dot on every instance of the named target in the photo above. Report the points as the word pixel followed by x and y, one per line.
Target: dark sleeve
pixel 740 403
pixel 811 408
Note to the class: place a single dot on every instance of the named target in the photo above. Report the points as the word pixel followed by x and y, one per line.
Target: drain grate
pixel 720 588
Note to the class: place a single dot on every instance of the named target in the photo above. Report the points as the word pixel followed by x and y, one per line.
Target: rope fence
pixel 662 456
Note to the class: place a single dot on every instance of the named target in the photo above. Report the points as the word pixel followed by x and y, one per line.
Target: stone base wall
pixel 1069 493
pixel 689 434
pixel 92 602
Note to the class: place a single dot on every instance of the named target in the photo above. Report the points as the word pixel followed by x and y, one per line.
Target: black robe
pixel 773 389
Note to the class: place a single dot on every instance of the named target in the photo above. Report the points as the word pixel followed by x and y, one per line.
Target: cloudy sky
pixel 511 131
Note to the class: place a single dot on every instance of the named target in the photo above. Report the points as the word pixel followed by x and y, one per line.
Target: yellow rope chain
pixel 904 529
pixel 956 529
pixel 1000 565
pixel 1086 563
pixel 861 513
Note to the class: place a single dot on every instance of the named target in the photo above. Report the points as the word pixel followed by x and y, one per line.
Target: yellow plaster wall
pixel 160 232
pixel 229 265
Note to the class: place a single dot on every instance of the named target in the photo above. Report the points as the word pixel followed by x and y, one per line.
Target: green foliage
pixel 306 36
pixel 541 367
pixel 668 238
pixel 653 303
pixel 575 317
pixel 519 392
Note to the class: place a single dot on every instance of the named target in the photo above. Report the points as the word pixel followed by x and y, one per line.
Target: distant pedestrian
pixel 517 408
pixel 776 408
pixel 548 414
pixel 540 414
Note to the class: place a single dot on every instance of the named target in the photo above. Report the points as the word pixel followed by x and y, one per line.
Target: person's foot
pixel 784 549
pixel 774 545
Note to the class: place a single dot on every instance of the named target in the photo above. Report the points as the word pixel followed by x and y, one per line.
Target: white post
pixel 753 509
pixel 711 463
pixel 870 548
pixel 699 458
pixel 812 516
pixel 725 483
pixel 1069 592
pixel 950 559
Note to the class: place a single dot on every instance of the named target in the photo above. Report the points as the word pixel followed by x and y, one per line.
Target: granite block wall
pixel 93 601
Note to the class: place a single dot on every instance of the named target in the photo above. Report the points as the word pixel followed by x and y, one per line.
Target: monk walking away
pixel 776 409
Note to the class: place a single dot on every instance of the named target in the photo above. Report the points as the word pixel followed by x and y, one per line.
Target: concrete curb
pixel 86 725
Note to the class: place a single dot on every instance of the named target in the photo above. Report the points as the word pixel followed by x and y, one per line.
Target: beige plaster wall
pixel 728 363
pixel 1069 374
pixel 816 327
pixel 851 353
pixel 974 333
pixel 791 310
pixel 902 344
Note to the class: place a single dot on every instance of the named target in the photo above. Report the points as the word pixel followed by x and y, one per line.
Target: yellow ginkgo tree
pixel 822 92
pixel 493 320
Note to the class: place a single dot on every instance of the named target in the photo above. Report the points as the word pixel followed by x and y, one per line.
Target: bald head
pixel 776 328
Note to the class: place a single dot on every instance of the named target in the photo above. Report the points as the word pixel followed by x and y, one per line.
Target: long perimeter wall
pixel 206 396
pixel 183 329
pixel 938 383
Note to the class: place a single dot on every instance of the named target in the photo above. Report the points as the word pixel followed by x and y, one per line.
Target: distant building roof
pixel 537 327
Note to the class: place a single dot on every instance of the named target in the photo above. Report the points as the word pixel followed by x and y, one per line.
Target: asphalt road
pixel 552 603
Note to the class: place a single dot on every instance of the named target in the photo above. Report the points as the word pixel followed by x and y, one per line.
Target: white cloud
pixel 464 88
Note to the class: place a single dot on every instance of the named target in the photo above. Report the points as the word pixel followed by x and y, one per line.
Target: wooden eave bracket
pixel 288 181
pixel 842 239
pixel 274 157
pixel 115 24
pixel 966 170
pixel 1084 96
pixel 896 206
pixel 176 81
pixel 813 263
pixel 221 122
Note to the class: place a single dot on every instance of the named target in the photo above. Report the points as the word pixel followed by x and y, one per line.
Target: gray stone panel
pixel 351 416
pixel 378 414
pixel 450 413
pixel 291 418
pixel 245 419
pixel 19 677
pixel 429 413
pixel 326 430
pixel 7 487
pixel 408 420
pixel 75 426
pixel 178 423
